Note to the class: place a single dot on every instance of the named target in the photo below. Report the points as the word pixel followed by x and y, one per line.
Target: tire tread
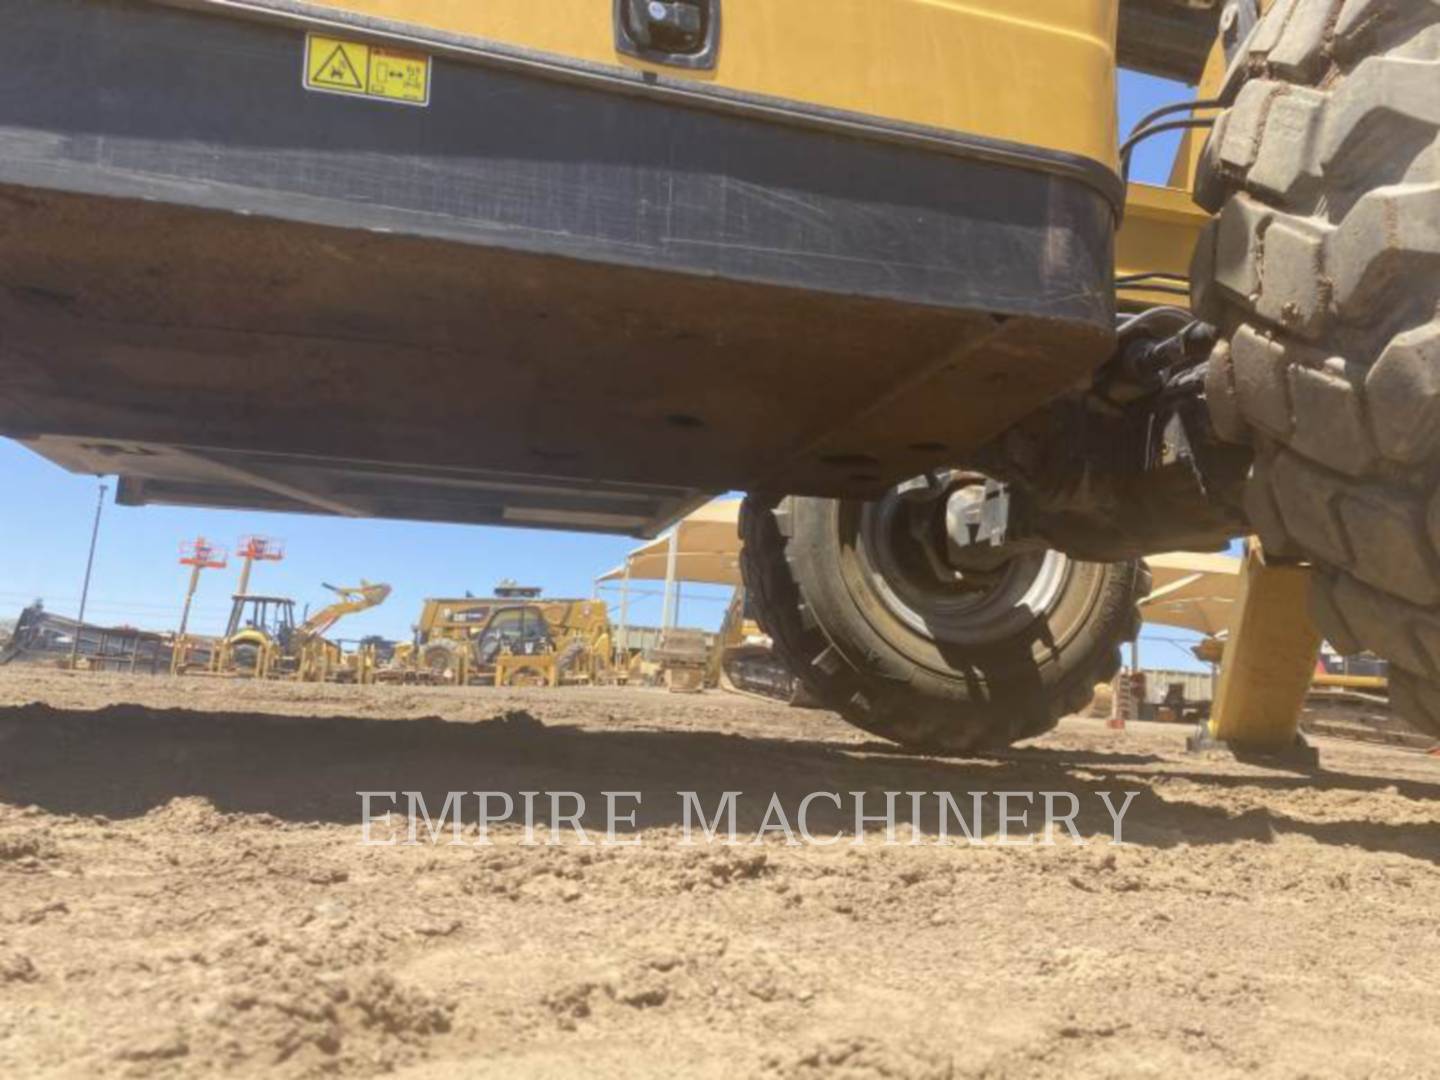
pixel 898 701
pixel 1323 273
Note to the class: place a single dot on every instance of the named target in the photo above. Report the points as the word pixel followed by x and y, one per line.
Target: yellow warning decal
pixel 334 66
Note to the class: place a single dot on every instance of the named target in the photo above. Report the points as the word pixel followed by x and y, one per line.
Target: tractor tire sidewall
pixel 1026 660
pixel 440 658
pixel 853 654
pixel 1322 272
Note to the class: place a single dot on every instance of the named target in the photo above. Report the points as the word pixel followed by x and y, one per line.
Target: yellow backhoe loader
pixel 874 262
pixel 263 641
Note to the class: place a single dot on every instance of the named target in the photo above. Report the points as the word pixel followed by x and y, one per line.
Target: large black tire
pixel 245 658
pixel 441 658
pixel 804 569
pixel 1322 270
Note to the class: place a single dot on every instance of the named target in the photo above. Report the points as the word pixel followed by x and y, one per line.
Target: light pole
pixel 672 559
pixel 85 588
pixel 622 639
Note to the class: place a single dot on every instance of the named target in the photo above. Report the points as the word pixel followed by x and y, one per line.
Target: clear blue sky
pixel 45 527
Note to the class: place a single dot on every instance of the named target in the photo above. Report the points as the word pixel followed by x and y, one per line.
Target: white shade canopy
pixel 708 549
pixel 1193 591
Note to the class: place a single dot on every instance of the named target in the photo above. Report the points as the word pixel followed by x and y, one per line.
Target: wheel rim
pixel 962 610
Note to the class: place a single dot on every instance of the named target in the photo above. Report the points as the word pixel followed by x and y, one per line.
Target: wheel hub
pixel 935 552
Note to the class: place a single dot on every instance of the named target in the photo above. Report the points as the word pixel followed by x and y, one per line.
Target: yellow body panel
pixel 1161 228
pixel 1187 160
pixel 1269 658
pixel 1034 72
pixel 1352 682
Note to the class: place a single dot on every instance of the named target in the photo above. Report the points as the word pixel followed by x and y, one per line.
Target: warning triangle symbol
pixel 337 70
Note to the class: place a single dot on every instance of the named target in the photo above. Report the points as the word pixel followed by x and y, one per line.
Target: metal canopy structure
pixel 706 550
pixel 1193 591
pixel 703 547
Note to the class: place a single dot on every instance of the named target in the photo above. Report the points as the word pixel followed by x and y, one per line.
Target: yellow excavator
pixel 263 641
pixel 744 661
pixel 876 263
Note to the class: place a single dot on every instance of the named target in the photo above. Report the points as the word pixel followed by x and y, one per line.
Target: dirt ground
pixel 183 891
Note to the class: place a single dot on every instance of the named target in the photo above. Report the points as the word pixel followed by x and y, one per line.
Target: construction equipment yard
pixel 183 892
pixel 873 539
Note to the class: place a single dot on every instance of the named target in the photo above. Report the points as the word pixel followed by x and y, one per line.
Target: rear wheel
pixel 878 625
pixel 1322 270
pixel 245 658
pixel 441 658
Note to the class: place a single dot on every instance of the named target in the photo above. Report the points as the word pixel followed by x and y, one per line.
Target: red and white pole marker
pixel 1119 702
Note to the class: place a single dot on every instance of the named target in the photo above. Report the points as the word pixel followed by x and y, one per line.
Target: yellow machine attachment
pixel 352 600
pixel 1257 714
pixel 518 669
pixel 1270 690
pixel 1154 246
pixel 318 659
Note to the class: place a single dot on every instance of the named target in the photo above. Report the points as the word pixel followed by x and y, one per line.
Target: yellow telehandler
pixel 874 262
pixel 514 638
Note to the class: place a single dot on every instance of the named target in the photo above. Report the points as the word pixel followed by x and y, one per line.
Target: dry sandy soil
pixel 183 892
